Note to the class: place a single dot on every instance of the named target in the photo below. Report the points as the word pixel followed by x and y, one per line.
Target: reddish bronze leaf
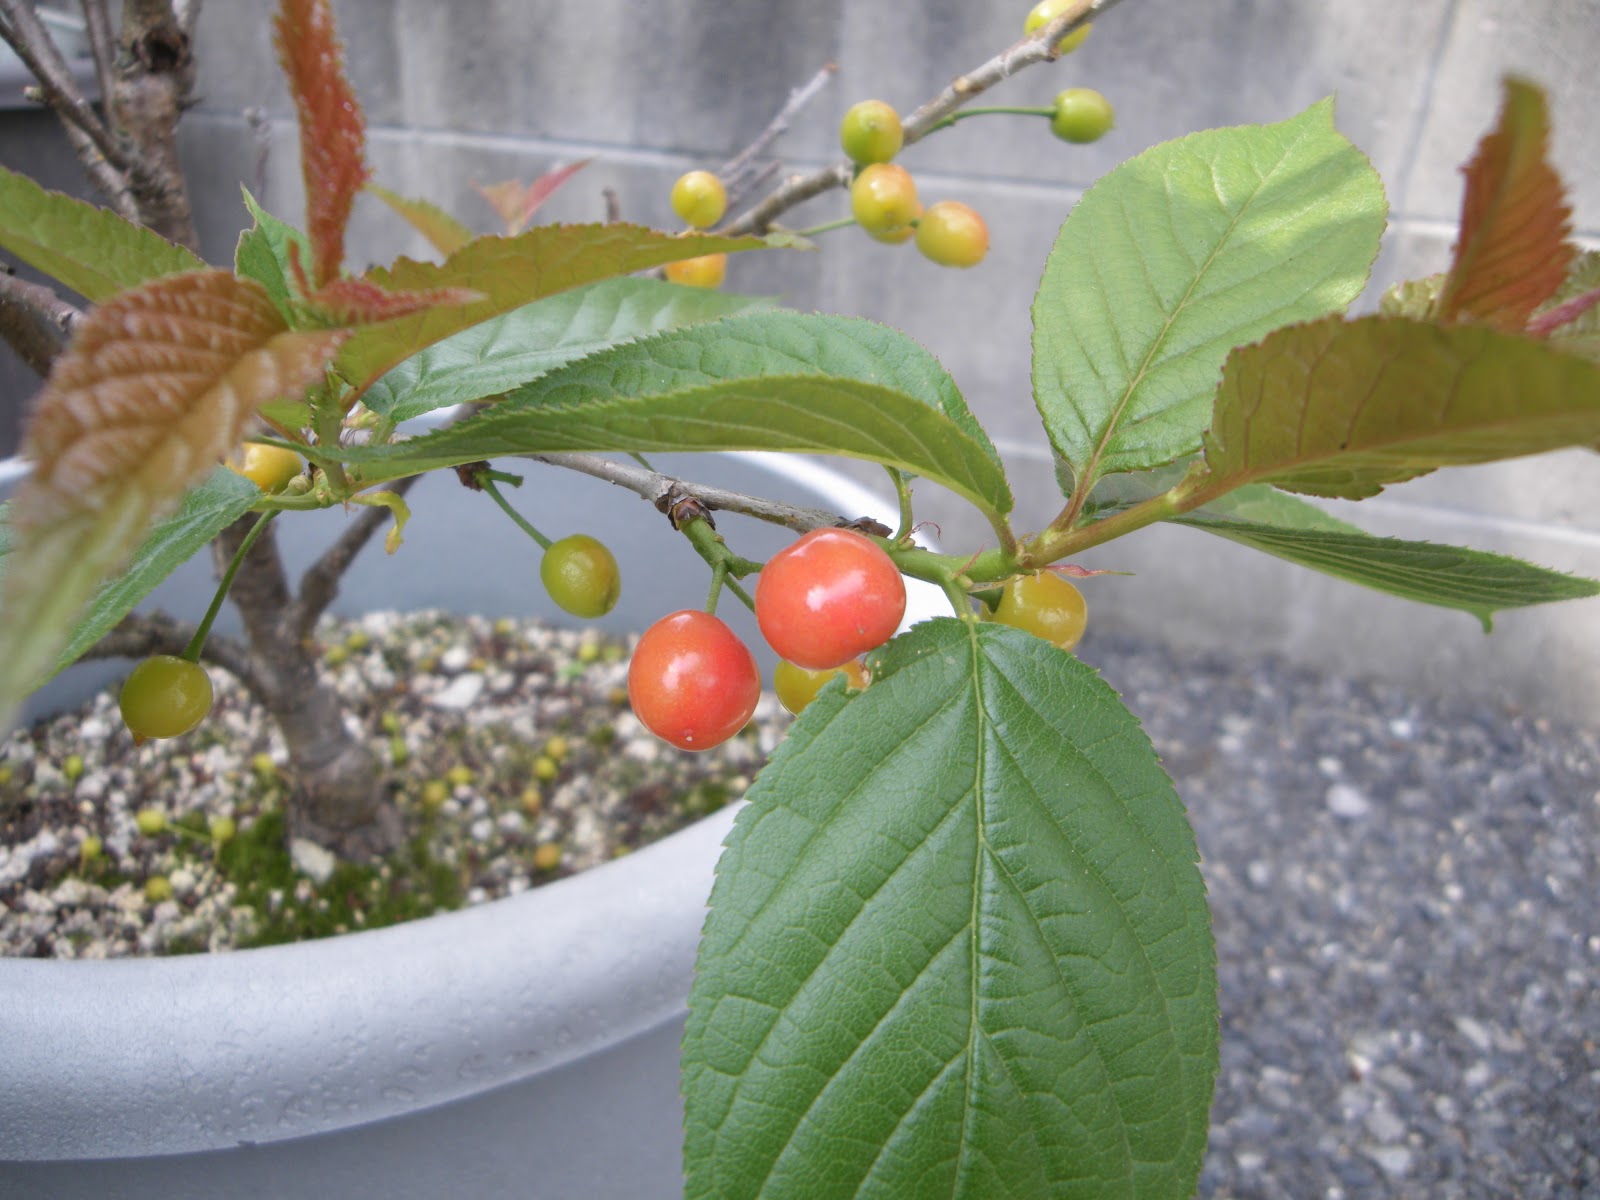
pixel 1513 251
pixel 332 130
pixel 157 386
pixel 362 302
pixel 515 203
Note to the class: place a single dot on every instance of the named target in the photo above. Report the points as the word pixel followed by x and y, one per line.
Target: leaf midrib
pixel 1113 425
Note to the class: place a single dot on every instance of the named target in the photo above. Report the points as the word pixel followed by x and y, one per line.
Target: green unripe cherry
pixel 699 198
pixel 797 687
pixel 871 132
pixel 581 575
pixel 1082 115
pixel 952 235
pixel 883 197
pixel 165 696
pixel 1048 10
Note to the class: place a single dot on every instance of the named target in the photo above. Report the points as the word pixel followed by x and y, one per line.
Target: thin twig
pixel 139 635
pixel 34 321
pixel 1037 47
pixel 260 126
pixel 23 32
pixel 26 34
pixel 655 487
pixel 795 190
pixel 737 172
pixel 97 21
pixel 319 586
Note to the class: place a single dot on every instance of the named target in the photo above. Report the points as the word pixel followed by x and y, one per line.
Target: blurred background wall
pixel 485 90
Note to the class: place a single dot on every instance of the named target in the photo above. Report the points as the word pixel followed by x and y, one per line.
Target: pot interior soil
pixel 509 747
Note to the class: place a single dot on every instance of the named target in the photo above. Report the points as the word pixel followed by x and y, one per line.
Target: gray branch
pixel 319 586
pixel 656 487
pixel 34 321
pixel 102 39
pixel 139 635
pixel 738 172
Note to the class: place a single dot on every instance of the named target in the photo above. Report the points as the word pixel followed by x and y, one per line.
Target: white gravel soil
pixel 509 748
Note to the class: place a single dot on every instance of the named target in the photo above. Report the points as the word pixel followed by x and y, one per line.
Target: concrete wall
pixel 491 89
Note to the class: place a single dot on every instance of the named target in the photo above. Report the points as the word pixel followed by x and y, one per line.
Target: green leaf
pixel 511 272
pixel 206 511
pixel 1473 581
pixel 507 351
pixel 91 250
pixel 1342 408
pixel 958 946
pixel 1177 256
pixel 1412 297
pixel 767 381
pixel 263 255
pixel 446 234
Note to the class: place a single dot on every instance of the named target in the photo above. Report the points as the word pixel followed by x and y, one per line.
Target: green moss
pixel 256 861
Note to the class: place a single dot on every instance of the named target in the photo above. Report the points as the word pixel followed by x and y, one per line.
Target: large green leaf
pixel 507 351
pixel 1342 408
pixel 510 272
pixel 91 250
pixel 206 511
pixel 1177 256
pixel 958 946
pixel 1473 581
pixel 766 381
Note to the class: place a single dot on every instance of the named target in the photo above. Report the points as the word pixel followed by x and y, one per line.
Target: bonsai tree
pixel 958 942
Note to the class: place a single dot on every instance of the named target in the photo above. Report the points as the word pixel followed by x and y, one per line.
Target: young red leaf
pixel 158 384
pixel 332 130
pixel 362 302
pixel 515 203
pixel 1513 251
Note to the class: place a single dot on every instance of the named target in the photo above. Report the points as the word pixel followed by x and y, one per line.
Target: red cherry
pixel 692 682
pixel 828 597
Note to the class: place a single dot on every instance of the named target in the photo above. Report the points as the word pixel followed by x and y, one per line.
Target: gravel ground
pixel 1404 889
pixel 1408 928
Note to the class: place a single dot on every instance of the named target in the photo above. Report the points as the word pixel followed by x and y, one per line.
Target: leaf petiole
pixel 198 641
pixel 486 480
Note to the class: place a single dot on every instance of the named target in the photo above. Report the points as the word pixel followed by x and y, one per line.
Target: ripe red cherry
pixel 829 596
pixel 692 682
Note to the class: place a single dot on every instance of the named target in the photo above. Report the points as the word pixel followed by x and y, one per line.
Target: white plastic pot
pixel 524 1048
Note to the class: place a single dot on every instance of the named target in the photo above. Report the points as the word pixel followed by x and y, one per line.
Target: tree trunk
pixel 338 798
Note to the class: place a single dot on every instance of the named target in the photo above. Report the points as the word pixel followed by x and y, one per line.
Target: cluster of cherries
pixel 883 195
pixel 822 603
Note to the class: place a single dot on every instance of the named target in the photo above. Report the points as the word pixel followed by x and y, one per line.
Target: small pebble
pixel 1347 802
